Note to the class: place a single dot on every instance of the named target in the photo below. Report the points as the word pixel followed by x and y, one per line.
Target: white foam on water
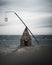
pixel 21 50
pixel 27 49
pixel 8 49
pixel 16 48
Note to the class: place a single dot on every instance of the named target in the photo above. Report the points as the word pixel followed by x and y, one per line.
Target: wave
pixel 18 49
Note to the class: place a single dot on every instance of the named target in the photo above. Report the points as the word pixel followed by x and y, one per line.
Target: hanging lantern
pixel 6 19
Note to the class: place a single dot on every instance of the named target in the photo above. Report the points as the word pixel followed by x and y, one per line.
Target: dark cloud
pixel 46 22
pixel 2 3
pixel 31 5
pixel 3 25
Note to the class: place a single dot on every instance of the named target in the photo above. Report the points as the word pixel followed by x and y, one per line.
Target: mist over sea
pixel 9 43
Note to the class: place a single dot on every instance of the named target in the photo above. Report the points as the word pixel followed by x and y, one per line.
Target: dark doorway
pixel 26 42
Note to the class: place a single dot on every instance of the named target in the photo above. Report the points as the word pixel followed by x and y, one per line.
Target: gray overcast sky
pixel 34 5
pixel 37 14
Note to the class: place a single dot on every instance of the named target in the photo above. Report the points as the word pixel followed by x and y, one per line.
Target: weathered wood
pixel 26 38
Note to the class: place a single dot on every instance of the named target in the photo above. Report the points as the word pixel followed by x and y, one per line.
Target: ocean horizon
pixel 7 40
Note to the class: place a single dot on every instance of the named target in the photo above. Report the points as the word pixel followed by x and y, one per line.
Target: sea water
pixel 9 43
